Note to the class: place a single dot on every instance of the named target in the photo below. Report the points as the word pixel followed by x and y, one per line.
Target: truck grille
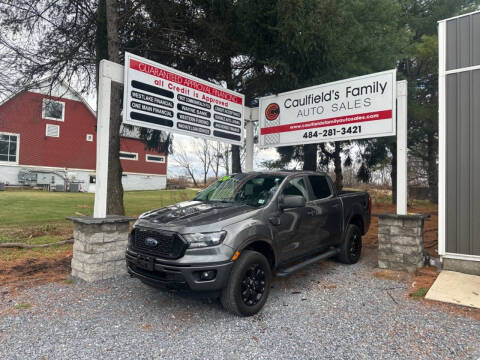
pixel 164 244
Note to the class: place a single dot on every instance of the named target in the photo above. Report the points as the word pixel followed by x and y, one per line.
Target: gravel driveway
pixel 328 311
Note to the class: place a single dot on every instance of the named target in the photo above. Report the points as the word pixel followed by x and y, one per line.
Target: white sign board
pixel 356 108
pixel 162 98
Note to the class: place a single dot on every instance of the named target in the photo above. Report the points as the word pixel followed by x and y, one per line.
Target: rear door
pixel 293 227
pixel 327 211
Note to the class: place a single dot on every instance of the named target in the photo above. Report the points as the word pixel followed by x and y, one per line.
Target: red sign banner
pixel 181 80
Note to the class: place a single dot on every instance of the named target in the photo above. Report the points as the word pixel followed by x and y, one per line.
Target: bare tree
pixel 182 159
pixel 226 155
pixel 205 155
pixel 217 158
pixel 52 39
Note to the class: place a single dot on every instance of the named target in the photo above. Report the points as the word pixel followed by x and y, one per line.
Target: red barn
pixel 49 139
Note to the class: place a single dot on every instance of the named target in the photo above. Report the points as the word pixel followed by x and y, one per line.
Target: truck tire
pixel 351 248
pixel 249 284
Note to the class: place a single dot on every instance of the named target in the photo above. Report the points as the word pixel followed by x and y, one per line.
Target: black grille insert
pixel 164 244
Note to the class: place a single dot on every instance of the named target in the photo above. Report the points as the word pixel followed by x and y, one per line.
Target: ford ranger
pixel 234 235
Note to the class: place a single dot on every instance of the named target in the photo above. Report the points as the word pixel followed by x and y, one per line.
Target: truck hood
pixel 195 216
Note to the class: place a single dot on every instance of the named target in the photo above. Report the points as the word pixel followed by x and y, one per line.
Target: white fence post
pixel 402 131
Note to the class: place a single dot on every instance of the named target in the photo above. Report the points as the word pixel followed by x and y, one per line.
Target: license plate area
pixel 145 262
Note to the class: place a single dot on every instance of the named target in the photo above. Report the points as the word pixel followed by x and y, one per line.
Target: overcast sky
pixel 188 144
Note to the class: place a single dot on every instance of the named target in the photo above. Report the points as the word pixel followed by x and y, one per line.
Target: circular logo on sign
pixel 272 111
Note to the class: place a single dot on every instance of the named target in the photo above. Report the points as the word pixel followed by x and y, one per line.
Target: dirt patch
pixel 26 272
pixel 387 274
pixel 25 233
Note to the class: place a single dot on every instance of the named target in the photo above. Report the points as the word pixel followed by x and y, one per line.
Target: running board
pixel 287 271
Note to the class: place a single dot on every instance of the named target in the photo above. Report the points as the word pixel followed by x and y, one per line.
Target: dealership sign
pixel 162 98
pixel 356 108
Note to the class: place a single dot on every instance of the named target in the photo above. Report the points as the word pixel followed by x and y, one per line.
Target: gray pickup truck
pixel 231 238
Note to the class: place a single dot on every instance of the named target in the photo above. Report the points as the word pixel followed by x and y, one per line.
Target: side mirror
pixel 291 201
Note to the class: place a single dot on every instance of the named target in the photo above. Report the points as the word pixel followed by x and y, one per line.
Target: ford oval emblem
pixel 151 242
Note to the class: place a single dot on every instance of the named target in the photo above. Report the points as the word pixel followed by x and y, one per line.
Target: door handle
pixel 311 212
pixel 336 206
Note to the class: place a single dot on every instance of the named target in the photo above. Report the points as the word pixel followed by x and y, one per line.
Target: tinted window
pixel 320 186
pixel 296 186
pixel 253 191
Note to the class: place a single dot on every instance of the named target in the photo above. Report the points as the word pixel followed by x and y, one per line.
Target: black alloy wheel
pixel 351 249
pixel 253 285
pixel 248 287
pixel 355 245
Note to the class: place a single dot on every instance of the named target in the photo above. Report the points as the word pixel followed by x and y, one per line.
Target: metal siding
pixel 451 44
pixel 451 163
pixel 463 42
pixel 476 40
pixel 463 163
pixel 463 159
pixel 475 150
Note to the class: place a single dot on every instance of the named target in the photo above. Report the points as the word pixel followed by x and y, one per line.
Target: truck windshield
pixel 251 190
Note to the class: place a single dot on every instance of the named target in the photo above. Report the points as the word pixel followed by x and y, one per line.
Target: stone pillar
pixel 400 241
pixel 99 247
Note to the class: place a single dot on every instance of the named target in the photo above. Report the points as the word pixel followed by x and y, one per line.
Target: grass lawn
pixel 37 217
pixel 25 208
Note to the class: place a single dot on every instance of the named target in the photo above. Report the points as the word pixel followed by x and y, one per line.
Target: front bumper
pixel 163 274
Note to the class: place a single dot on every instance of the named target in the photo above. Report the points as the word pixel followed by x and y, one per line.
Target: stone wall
pixel 99 247
pixel 400 242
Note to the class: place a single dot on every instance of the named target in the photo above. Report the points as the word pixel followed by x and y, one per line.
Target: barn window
pixel 155 158
pixel 9 147
pixel 128 155
pixel 89 137
pixel 53 110
pixel 52 130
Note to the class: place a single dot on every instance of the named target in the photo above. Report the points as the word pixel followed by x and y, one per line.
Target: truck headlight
pixel 199 240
